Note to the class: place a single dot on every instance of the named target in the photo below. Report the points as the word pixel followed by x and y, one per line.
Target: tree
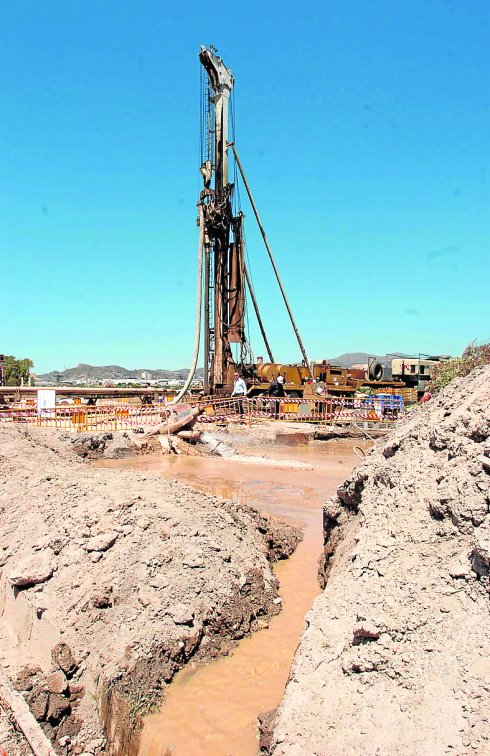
pixel 14 371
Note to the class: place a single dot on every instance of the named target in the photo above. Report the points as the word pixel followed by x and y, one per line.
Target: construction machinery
pixel 223 279
pixel 416 371
pixel 224 267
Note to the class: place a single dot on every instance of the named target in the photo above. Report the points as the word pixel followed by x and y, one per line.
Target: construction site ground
pixel 395 657
pixel 12 740
pixel 283 432
pixel 113 580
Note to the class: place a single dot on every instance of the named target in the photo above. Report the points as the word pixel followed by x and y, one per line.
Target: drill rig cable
pixel 278 278
pixel 250 284
pixel 257 312
pixel 197 333
pixel 201 118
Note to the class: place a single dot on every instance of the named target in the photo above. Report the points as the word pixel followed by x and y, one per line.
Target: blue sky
pixel 364 129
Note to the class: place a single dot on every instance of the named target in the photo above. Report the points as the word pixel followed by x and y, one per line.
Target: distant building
pixel 146 375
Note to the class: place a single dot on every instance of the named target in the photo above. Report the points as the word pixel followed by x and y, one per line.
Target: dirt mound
pixel 12 741
pixel 111 581
pixel 396 655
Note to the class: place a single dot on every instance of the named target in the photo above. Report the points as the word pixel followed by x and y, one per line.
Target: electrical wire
pixel 273 263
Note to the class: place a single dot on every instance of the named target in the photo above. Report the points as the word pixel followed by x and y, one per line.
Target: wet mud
pixel 213 708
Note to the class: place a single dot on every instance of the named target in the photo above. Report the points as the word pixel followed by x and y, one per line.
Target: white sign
pixel 46 400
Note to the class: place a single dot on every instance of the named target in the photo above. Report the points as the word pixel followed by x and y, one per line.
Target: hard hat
pixel 280 379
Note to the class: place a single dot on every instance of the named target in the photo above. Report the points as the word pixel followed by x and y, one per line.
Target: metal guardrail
pixel 325 410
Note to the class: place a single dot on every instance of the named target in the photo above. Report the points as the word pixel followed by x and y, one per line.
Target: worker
pixel 276 391
pixel 239 391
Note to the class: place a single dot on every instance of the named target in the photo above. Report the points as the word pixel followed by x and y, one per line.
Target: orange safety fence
pixel 87 419
pixel 317 410
pixel 326 410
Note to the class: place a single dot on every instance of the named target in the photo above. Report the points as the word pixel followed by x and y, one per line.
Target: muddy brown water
pixel 212 709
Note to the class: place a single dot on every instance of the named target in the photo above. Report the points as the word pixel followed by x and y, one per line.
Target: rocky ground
pixel 111 581
pixel 396 655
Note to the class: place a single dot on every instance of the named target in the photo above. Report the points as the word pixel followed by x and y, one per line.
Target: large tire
pixel 376 371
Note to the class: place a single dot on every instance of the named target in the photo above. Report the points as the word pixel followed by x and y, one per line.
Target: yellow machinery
pixel 299 380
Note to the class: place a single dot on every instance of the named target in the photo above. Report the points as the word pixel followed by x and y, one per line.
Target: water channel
pixel 212 709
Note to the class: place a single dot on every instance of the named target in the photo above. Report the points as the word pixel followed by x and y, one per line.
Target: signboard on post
pixel 46 400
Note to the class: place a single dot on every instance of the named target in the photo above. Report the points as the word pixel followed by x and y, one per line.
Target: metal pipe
pixel 262 231
pixel 206 319
pixel 83 391
pixel 259 319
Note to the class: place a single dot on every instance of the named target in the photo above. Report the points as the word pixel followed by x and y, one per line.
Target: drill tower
pixel 224 272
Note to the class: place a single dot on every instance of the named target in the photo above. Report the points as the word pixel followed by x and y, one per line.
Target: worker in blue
pixel 239 391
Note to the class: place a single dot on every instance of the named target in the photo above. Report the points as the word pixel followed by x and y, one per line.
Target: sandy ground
pixel 396 655
pixel 266 431
pixel 11 740
pixel 111 581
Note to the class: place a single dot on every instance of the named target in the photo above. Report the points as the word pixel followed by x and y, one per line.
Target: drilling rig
pixel 226 278
pixel 222 274
pixel 223 280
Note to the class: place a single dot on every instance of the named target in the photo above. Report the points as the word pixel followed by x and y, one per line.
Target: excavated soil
pixel 396 655
pixel 111 581
pixel 12 740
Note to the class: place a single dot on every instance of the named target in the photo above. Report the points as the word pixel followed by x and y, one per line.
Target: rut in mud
pixel 214 708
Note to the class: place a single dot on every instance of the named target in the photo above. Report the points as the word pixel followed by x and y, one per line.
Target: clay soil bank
pixel 396 655
pixel 113 580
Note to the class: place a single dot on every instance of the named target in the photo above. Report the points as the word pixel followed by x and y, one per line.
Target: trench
pixel 213 708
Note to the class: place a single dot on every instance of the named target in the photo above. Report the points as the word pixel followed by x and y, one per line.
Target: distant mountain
pixel 91 373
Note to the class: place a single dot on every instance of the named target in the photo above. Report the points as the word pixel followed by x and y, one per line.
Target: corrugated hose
pixel 197 333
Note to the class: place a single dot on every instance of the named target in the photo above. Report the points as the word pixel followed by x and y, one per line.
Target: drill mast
pixel 224 271
pixel 222 239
